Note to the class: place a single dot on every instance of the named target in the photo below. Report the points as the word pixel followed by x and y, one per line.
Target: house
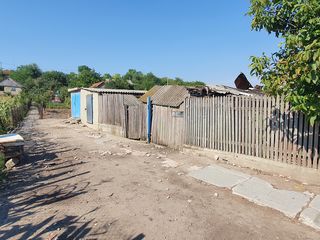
pixel 9 86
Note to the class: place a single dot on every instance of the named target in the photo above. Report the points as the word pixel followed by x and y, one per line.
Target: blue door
pixel 90 108
pixel 75 105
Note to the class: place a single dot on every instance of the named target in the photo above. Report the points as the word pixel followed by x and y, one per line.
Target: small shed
pixel 10 86
pixel 107 109
pixel 167 114
pixel 75 103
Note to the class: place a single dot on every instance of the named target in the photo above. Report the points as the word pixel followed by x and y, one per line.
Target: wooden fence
pixel 112 109
pixel 257 126
pixel 168 126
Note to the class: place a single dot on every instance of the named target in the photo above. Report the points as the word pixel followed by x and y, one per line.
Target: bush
pixel 12 111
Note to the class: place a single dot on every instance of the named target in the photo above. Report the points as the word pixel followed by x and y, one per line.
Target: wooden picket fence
pixel 259 126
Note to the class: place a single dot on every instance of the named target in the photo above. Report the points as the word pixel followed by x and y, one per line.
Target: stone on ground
pixel 263 193
pixel 219 176
pixel 11 163
pixel 311 215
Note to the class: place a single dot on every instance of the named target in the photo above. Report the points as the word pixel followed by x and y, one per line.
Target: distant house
pixel 10 86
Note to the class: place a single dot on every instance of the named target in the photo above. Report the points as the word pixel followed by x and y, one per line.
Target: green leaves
pixel 295 69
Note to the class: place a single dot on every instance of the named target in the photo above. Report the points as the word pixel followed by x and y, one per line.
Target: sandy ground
pixel 77 183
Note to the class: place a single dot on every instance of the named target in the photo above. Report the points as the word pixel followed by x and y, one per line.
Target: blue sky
pixel 204 40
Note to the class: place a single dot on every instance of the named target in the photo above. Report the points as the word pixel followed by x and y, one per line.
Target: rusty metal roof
pixel 150 93
pixel 98 85
pixel 170 95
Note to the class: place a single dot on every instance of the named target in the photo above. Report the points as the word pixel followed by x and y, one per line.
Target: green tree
pixel 85 77
pixel 294 70
pixel 53 80
pixel 25 73
pixel 118 82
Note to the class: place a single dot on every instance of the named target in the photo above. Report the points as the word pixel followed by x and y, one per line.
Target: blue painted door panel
pixel 75 105
pixel 90 108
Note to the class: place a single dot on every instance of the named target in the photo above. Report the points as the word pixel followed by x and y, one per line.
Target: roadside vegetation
pixel 12 111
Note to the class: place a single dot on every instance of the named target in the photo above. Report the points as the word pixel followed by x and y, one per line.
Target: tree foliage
pixel 137 80
pixel 294 70
pixel 41 86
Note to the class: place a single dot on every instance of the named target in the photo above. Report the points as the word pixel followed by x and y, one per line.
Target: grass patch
pixel 57 105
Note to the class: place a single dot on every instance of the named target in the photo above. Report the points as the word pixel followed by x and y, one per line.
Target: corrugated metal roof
pixel 221 89
pixel 150 93
pixel 74 89
pixel 171 95
pixel 123 91
pixel 131 100
pixel 10 83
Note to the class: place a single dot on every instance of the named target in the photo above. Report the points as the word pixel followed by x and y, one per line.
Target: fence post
pixel 149 118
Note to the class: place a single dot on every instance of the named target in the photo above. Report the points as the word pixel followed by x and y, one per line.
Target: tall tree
pixel 53 80
pixel 85 77
pixel 25 73
pixel 294 70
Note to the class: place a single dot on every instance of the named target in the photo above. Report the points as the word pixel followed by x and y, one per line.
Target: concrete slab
pixel 262 193
pixel 311 215
pixel 219 176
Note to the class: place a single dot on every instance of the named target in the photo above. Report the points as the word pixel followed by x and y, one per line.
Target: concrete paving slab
pixel 262 193
pixel 311 215
pixel 219 176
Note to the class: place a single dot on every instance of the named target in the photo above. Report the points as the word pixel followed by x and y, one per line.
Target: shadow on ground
pixel 49 177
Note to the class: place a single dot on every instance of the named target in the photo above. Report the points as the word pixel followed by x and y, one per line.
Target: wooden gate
pixel 136 122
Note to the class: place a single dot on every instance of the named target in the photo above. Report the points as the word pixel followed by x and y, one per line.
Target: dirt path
pixel 79 183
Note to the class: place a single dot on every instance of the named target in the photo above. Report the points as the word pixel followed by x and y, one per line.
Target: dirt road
pixel 78 183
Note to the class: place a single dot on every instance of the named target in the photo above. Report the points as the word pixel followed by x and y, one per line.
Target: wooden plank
pixel 215 122
pixel 227 121
pixel 231 124
pixel 310 145
pixel 277 128
pixel 305 141
pixel 242 124
pixel 223 121
pixel 295 138
pixel 290 135
pixel 300 139
pixel 281 129
pixel 272 129
pixel 268 140
pixel 212 123
pixel 316 146
pixel 220 124
pixel 286 133
pixel 247 124
pixel 236 125
pixel 261 127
